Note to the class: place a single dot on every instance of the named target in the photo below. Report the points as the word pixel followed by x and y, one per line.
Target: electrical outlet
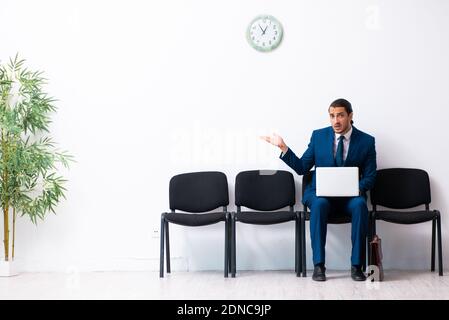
pixel 155 233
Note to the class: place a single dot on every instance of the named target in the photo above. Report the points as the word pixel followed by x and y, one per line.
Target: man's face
pixel 340 119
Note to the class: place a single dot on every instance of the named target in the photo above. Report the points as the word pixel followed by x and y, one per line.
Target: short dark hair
pixel 343 103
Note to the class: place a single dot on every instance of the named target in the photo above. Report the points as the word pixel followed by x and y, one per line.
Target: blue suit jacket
pixel 320 153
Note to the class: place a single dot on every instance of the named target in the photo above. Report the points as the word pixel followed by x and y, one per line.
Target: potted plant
pixel 29 161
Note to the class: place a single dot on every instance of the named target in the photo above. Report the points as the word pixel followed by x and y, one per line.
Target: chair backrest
pixel 306 180
pixel 198 191
pixel 401 188
pixel 265 190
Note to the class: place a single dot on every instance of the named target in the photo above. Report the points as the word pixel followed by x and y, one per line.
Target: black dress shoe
pixel 319 273
pixel 357 274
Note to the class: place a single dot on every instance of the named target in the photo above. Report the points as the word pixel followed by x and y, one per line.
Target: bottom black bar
pixel 224 309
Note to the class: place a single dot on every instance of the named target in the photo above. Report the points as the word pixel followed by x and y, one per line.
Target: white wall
pixel 149 89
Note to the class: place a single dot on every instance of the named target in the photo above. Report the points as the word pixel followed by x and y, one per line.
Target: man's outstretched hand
pixel 276 140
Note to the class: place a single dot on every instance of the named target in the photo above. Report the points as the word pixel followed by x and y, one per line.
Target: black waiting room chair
pixel 196 194
pixel 332 219
pixel 263 192
pixel 404 188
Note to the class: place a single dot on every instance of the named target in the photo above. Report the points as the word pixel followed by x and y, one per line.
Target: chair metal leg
pixel 298 245
pixel 230 245
pixel 296 248
pixel 226 250
pixel 167 245
pixel 370 238
pixel 233 248
pixel 432 259
pixel 372 233
pixel 161 259
pixel 364 257
pixel 369 227
pixel 303 245
pixel 440 249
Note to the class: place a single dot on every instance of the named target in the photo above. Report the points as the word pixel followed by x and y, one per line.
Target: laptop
pixel 337 181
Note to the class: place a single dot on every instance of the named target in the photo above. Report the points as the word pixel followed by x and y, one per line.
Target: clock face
pixel 264 33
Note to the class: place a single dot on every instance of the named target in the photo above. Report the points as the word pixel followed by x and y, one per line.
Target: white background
pixel 149 89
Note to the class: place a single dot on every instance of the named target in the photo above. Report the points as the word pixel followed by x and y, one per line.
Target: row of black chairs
pixel 268 193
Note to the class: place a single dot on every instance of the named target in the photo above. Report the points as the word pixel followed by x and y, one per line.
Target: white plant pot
pixel 8 268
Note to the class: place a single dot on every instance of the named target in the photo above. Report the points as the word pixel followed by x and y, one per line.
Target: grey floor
pixel 212 285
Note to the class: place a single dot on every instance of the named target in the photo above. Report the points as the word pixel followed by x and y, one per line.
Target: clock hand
pixel 261 29
pixel 264 30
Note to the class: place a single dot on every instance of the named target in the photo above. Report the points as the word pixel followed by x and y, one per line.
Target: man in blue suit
pixel 341 144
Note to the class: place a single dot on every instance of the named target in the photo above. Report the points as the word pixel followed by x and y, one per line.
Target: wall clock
pixel 264 33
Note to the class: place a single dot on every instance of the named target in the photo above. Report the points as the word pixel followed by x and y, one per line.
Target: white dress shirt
pixel 346 142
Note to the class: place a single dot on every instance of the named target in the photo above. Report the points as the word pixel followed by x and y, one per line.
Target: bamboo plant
pixel 29 161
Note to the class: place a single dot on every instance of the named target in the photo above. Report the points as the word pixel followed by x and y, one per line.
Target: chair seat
pixel 260 217
pixel 334 219
pixel 409 217
pixel 195 219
